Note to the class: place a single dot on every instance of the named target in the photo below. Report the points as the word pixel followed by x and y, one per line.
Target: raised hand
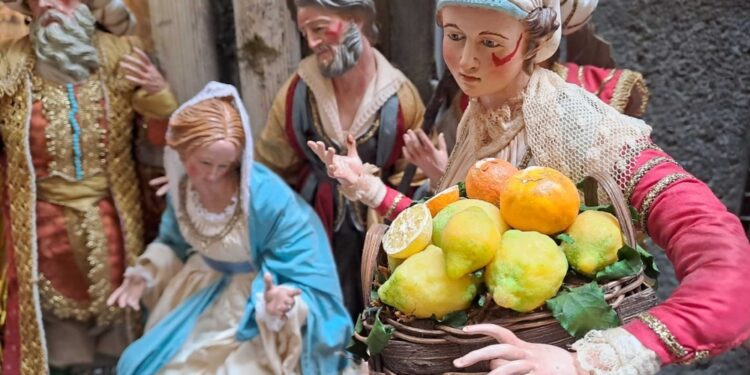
pixel 513 356
pixel 345 168
pixel 140 71
pixel 129 293
pixel 419 150
pixel 279 300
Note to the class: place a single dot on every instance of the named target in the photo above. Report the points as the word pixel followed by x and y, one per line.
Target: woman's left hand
pixel 140 71
pixel 513 356
pixel 279 300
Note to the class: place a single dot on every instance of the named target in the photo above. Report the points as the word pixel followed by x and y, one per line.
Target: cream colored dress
pixel 212 347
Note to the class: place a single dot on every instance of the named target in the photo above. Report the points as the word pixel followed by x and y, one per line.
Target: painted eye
pixel 490 43
pixel 454 36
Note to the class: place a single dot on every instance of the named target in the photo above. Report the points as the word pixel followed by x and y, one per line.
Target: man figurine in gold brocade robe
pixel 71 211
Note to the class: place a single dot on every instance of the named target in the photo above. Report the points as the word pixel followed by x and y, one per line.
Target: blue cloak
pixel 287 240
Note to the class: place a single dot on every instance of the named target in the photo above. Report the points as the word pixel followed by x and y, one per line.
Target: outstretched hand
pixel 513 356
pixel 140 71
pixel 419 150
pixel 279 300
pixel 129 293
pixel 345 168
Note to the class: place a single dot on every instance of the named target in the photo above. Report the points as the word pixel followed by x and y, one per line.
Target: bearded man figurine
pixel 345 98
pixel 71 211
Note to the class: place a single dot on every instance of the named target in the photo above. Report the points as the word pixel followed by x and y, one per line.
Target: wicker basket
pixel 426 347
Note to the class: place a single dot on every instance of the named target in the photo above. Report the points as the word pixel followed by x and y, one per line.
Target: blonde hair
pixel 206 122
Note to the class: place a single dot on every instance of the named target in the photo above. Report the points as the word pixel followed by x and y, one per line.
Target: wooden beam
pixel 184 37
pixel 268 53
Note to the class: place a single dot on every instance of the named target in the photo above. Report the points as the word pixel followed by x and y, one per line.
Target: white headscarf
pixel 519 9
pixel 576 13
pixel 113 15
pixel 172 163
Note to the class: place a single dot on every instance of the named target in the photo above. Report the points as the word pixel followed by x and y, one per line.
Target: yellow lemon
pixel 447 213
pixel 470 240
pixel 420 287
pixel 597 238
pixel 410 233
pixel 528 269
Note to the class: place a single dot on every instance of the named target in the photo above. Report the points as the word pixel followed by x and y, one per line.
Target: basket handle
pixel 622 211
pixel 370 253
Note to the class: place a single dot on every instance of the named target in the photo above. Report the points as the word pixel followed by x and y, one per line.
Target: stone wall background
pixel 695 55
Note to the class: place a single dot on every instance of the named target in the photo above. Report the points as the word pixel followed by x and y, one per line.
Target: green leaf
pixel 635 215
pixel 379 336
pixel 462 189
pixel 479 275
pixel 605 207
pixel 356 347
pixel 583 309
pixel 651 270
pixel 374 296
pixel 564 237
pixel 629 264
pixel 456 319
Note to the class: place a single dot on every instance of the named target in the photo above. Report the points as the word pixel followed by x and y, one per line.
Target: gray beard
pixel 346 55
pixel 64 48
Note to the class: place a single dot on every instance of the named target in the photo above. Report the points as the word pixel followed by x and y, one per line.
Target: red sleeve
pixel 708 313
pixel 393 203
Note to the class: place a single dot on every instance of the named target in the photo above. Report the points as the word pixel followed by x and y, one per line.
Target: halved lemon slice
pixel 410 233
pixel 442 199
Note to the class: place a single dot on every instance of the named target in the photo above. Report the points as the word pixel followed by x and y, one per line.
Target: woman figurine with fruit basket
pixel 527 115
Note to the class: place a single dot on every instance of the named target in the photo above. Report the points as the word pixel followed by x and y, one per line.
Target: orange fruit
pixel 442 199
pixel 486 179
pixel 540 199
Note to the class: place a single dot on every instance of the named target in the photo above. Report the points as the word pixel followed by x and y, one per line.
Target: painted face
pixel 336 41
pixel 207 165
pixel 40 7
pixel 483 49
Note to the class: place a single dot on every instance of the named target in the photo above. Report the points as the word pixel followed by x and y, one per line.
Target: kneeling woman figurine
pixel 241 278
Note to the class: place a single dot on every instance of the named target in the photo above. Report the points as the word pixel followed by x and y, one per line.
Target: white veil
pixel 173 165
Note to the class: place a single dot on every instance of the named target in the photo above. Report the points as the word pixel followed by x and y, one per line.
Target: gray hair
pixel 66 44
pixel 362 8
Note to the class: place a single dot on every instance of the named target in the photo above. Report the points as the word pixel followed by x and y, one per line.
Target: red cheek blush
pixel 500 61
pixel 334 30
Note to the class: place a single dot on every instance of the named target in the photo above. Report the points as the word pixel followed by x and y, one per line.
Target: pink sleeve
pixel 393 203
pixel 708 313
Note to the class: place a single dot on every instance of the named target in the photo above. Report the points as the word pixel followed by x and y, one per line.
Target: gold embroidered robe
pixel 67 238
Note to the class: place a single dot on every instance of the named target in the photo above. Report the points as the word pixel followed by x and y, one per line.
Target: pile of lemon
pixel 504 228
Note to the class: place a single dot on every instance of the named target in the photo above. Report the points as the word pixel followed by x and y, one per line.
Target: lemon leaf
pixel 583 309
pixel 629 264
pixel 564 237
pixel 356 347
pixel 456 319
pixel 379 336
pixel 651 270
pixel 462 189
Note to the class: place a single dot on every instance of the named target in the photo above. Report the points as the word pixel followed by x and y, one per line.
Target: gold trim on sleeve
pixel 642 171
pixel 660 186
pixel 668 339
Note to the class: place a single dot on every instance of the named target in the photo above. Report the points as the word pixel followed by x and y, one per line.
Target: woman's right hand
pixel 129 293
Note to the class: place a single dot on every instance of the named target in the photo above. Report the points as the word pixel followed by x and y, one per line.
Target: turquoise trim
pixel 505 6
pixel 77 159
